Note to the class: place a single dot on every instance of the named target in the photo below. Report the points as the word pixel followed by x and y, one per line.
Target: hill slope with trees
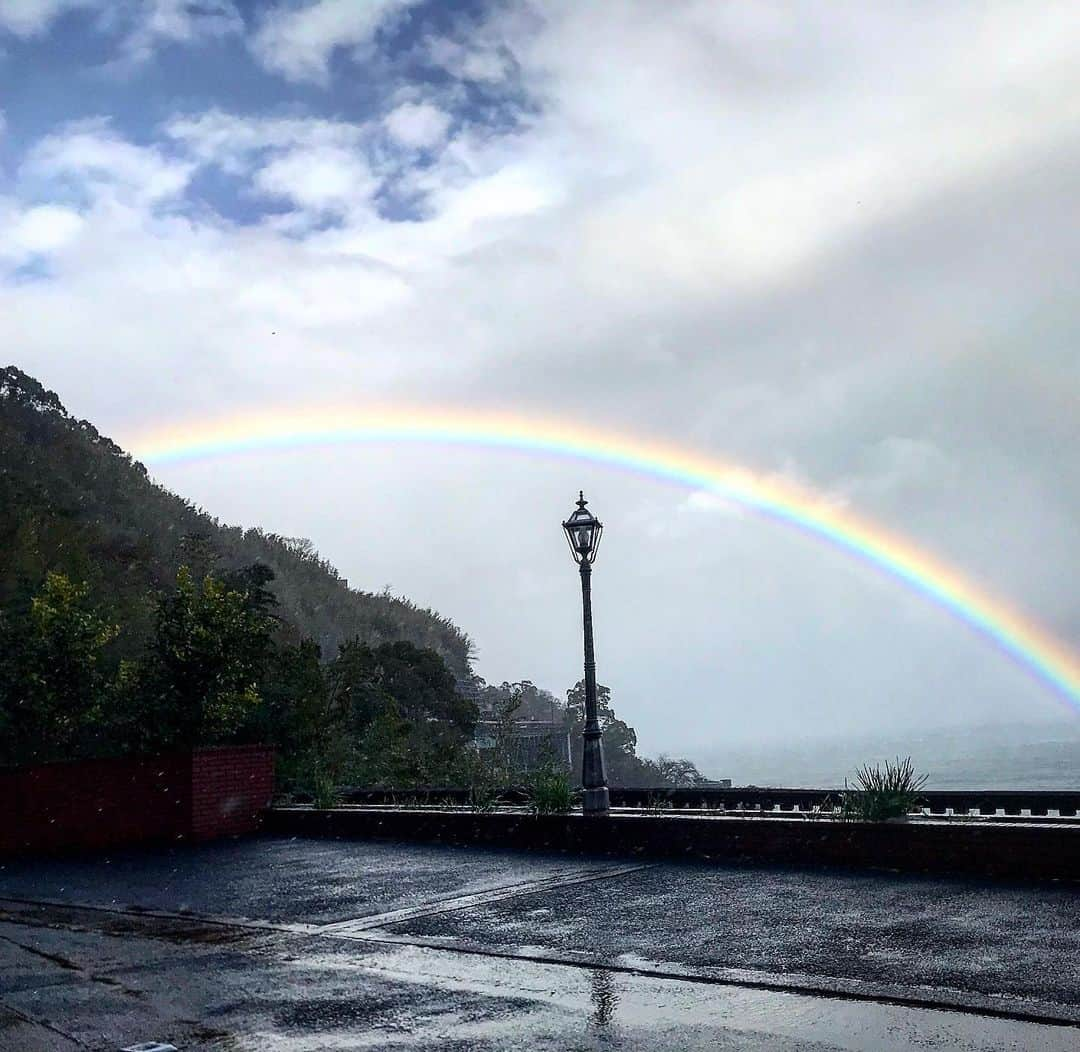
pixel 72 501
pixel 132 621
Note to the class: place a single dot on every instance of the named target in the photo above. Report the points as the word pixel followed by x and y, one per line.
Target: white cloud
pixel 320 179
pixel 91 160
pixel 234 142
pixel 27 18
pixel 417 125
pixel 478 61
pixel 298 39
pixel 36 231
pixel 158 22
pixel 143 25
pixel 321 167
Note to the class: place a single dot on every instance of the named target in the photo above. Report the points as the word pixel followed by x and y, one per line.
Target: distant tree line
pixel 523 700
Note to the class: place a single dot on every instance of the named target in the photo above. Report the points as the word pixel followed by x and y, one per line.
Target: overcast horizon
pixel 837 248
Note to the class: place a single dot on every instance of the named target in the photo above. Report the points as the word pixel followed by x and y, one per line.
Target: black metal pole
pixel 593 777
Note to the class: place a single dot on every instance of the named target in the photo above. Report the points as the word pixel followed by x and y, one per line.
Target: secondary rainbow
pixel 1013 633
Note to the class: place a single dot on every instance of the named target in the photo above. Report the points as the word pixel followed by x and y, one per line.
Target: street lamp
pixel 583 531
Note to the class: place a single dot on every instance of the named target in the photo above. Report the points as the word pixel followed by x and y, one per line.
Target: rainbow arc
pixel 1013 633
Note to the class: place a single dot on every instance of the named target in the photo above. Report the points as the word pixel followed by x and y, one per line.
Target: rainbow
pixel 1015 635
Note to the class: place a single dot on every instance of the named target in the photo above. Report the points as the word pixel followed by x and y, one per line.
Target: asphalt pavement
pixel 313 944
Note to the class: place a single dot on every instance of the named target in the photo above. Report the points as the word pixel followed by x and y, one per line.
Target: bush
pixel 550 792
pixel 325 793
pixel 892 793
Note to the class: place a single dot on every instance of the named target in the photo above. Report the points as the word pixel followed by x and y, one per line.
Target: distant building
pixel 529 743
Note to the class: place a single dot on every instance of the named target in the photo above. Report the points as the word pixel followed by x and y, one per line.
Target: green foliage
pixel 677 773
pixel 417 681
pixel 483 790
pixel 399 706
pixel 200 679
pixel 883 794
pixel 324 789
pixel 73 502
pixel 550 792
pixel 55 674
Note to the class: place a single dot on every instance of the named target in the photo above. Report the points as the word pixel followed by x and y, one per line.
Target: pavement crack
pixel 69 965
pixel 25 1017
pixel 55 958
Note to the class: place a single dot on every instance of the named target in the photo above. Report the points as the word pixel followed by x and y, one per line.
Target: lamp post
pixel 583 531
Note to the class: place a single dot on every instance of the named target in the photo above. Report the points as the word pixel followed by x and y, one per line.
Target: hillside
pixel 72 501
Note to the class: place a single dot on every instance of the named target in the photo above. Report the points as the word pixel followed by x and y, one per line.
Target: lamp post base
pixel 596 801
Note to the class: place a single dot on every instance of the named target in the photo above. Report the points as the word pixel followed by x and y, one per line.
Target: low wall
pixel 1062 803
pixel 95 804
pixel 1008 851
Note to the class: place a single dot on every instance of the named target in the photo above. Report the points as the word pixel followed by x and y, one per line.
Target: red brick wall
pixel 231 787
pixel 94 804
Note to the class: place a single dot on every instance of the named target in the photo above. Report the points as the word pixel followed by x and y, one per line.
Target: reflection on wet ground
pixel 389 946
pixel 604 998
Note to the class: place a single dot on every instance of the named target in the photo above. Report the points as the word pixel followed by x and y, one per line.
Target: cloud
pixel 36 231
pixel 158 22
pixel 235 142
pixel 28 18
pixel 325 179
pixel 836 250
pixel 92 162
pixel 297 40
pixel 142 25
pixel 475 60
pixel 417 125
pixel 320 168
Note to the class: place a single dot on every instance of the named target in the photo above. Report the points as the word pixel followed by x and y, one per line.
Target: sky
pixel 835 244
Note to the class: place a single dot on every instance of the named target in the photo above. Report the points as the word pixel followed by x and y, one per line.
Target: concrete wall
pixel 1024 852
pixel 95 804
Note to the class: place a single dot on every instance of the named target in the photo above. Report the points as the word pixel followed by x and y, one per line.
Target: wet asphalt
pixel 393 945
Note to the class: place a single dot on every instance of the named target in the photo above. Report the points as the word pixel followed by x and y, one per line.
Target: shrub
pixel 325 793
pixel 881 794
pixel 657 803
pixel 550 792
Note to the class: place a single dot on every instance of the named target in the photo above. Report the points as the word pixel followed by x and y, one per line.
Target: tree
pixel 54 674
pixel 623 765
pixel 678 773
pixel 416 679
pixel 210 646
pixel 253 582
pixel 531 702
pixel 620 739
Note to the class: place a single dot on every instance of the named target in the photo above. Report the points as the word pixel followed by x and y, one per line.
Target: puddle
pixel 595 1008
